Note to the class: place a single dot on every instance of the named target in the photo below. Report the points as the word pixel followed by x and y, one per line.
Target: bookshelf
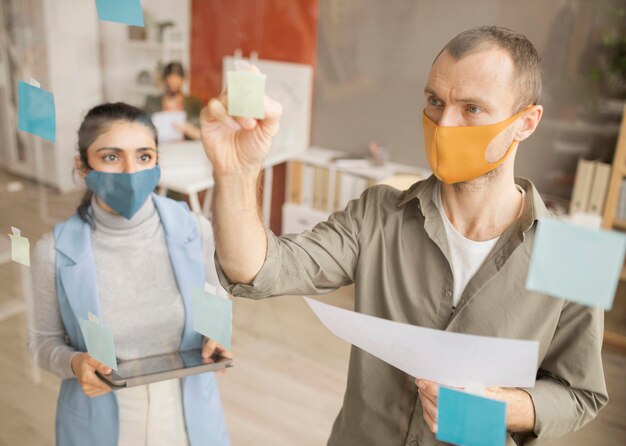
pixel 609 218
pixel 318 184
pixel 618 174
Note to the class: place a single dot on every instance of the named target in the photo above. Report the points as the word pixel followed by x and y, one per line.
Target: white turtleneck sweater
pixel 139 298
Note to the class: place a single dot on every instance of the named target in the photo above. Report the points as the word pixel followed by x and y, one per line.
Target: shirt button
pixel 448 293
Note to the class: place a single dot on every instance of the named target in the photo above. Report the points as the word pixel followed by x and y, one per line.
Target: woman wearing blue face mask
pixel 131 258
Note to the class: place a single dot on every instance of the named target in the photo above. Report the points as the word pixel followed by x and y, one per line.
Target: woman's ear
pixel 80 167
pixel 530 121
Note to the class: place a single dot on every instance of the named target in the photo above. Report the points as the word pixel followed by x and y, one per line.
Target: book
pixel 337 191
pixel 599 188
pixel 346 190
pixel 324 189
pixel 621 206
pixel 307 185
pixel 582 186
pixel 320 188
pixel 295 182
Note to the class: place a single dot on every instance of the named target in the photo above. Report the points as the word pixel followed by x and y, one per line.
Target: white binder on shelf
pixel 599 187
pixel 582 186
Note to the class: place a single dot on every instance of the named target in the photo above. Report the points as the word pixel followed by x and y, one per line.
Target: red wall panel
pixel 283 30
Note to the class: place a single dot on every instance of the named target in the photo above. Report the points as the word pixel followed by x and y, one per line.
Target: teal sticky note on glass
pixel 575 263
pixel 470 420
pixel 120 11
pixel 246 92
pixel 99 340
pixel 35 111
pixel 212 316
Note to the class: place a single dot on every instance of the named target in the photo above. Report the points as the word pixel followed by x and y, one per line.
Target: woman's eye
pixel 145 158
pixel 109 157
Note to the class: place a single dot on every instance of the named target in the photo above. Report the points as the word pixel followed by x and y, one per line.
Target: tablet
pixel 163 367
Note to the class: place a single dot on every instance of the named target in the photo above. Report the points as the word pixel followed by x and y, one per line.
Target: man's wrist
pixel 242 190
pixel 245 174
pixel 520 410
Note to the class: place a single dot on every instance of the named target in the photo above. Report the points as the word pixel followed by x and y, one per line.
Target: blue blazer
pixel 83 420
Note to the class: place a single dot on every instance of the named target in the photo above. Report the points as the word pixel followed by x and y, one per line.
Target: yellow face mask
pixel 458 154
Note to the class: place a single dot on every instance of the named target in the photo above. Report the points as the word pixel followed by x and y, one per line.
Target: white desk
pixel 186 169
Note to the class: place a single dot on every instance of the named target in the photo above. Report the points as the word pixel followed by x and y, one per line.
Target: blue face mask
pixel 125 193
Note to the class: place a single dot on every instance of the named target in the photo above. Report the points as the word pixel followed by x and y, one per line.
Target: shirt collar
pixel 534 208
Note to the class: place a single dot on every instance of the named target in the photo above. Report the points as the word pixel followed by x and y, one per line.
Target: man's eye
pixel 434 101
pixel 473 109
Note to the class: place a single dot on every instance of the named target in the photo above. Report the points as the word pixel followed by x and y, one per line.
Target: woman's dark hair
pixel 97 121
pixel 173 68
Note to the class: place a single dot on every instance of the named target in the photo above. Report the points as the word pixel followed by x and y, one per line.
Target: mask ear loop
pixel 513 144
pixel 529 107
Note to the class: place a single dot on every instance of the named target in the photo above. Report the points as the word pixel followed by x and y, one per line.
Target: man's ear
pixel 80 167
pixel 530 121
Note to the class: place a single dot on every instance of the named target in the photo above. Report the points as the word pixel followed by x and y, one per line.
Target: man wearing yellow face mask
pixel 451 253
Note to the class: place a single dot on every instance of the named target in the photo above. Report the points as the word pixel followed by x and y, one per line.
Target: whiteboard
pixel 291 85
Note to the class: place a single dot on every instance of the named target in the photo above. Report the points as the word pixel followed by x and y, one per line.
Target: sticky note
pixel 245 94
pixel 35 111
pixel 120 11
pixel 99 340
pixel 470 420
pixel 578 264
pixel 20 247
pixel 212 316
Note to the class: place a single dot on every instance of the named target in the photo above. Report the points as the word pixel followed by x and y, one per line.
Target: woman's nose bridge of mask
pixel 129 163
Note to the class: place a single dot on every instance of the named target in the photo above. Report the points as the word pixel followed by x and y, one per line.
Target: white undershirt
pixel 466 256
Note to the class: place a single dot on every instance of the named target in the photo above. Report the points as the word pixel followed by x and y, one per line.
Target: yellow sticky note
pixel 20 247
pixel 246 92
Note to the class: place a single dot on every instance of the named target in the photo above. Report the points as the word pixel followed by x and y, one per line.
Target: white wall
pixel 122 59
pixel 373 61
pixel 78 48
pixel 75 77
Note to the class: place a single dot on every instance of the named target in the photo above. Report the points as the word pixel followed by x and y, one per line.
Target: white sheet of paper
pixel 166 122
pixel 451 359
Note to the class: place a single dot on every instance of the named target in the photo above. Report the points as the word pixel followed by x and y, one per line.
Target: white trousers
pixel 152 415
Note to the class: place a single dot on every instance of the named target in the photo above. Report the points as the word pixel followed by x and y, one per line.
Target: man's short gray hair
pixel 526 60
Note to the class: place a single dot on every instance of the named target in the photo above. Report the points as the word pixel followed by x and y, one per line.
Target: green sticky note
pixel 246 92
pixel 99 340
pixel 212 316
pixel 20 248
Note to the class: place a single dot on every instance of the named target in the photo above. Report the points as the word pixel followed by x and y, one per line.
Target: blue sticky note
pixel 575 263
pixel 470 420
pixel 100 344
pixel 212 316
pixel 35 111
pixel 120 11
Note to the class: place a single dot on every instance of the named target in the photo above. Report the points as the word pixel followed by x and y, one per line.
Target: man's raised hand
pixel 237 145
